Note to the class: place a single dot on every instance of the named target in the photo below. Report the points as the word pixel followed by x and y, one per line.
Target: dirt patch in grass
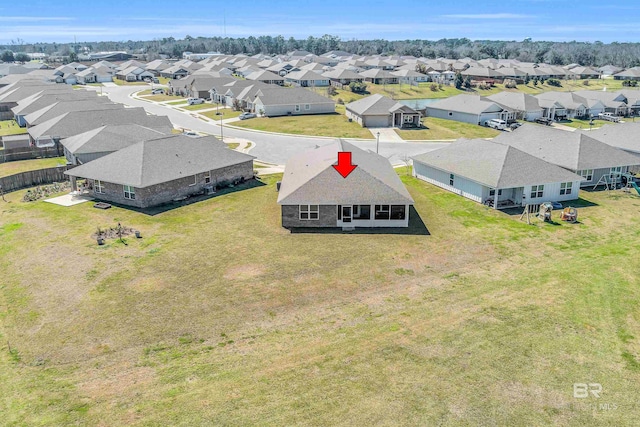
pixel 244 272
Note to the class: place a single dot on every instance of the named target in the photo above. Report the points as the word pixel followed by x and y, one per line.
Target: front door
pixel 346 214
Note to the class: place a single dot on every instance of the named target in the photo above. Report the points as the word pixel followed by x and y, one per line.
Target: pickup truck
pixel 609 116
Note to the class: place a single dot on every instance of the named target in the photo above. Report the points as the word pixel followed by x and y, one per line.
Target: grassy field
pixel 335 125
pixel 485 321
pixel 10 127
pixel 11 168
pixel 125 83
pixel 584 124
pixel 162 98
pixel 437 129
pixel 182 101
pixel 197 107
pixel 232 145
pixel 227 113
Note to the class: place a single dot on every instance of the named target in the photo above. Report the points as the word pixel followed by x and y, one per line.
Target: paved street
pixel 270 148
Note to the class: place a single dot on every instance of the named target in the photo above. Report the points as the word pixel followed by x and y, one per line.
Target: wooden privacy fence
pixel 33 178
pixel 28 153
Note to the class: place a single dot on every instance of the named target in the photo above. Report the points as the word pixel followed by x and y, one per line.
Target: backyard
pixel 10 127
pixel 11 168
pixel 218 316
pixel 335 125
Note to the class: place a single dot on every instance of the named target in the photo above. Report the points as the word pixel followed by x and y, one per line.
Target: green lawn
pixel 437 129
pixel 182 101
pixel 125 83
pixel 10 127
pixel 232 145
pixel 485 321
pixel 197 107
pixel 584 124
pixel 335 125
pixel 163 80
pixel 227 113
pixel 10 168
pixel 162 98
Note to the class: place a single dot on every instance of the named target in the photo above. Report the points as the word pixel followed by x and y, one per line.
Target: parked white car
pixel 195 101
pixel 157 92
pixel 497 124
pixel 245 116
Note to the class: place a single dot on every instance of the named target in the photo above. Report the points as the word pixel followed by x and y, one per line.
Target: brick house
pixel 158 171
pixel 314 194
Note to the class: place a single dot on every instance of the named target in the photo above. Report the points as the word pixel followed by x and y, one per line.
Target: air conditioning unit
pixel 209 189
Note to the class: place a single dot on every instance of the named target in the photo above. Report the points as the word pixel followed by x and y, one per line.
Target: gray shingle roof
pixel 109 138
pixel 376 105
pixel 39 101
pixel 56 109
pixel 309 178
pixel 471 104
pixel 276 95
pixel 494 165
pixel 161 160
pixel 516 101
pixel 571 150
pixel 76 122
pixel 625 136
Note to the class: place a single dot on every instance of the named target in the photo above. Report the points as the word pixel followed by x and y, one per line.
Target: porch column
pixel 74 183
pixel 495 199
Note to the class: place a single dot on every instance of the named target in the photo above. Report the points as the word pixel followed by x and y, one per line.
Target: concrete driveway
pixel 269 147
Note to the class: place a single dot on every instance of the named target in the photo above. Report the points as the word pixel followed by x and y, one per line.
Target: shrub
pixel 358 87
pixel 585 83
pixel 331 91
pixel 340 101
pixel 510 84
pixel 554 82
pixel 433 87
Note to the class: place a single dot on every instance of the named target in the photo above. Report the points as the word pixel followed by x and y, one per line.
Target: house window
pixel 615 170
pixel 129 192
pixel 309 212
pixel 408 119
pixel 382 212
pixel 361 212
pixel 450 113
pixel 565 188
pixel 451 179
pixel 207 177
pixel 493 193
pixel 397 211
pixel 586 174
pixel 537 191
pixel 307 107
pixel 297 108
pixel 98 187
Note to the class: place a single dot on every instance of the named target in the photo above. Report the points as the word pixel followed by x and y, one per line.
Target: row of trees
pixel 556 53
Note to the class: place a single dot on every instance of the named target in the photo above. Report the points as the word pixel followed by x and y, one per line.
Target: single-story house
pixel 575 106
pixel 625 136
pixel 133 74
pixel 314 194
pixel 38 101
pixel 306 78
pixel 265 76
pixel 378 76
pixel 525 106
pixel 61 107
pixel 630 74
pixel 575 151
pixel 380 111
pixel 483 170
pixel 277 101
pixel 16 92
pixel 340 77
pixel 158 171
pixel 472 109
pixel 99 142
pixel 410 76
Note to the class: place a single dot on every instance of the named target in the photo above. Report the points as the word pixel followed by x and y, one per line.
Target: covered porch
pixel 507 198
pixel 405 117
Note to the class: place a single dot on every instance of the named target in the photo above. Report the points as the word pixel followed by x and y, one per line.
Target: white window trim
pixel 567 187
pixel 131 192
pixel 195 180
pixel 207 177
pixel 585 173
pixel 307 107
pixel 297 108
pixel 538 190
pixel 98 188
pixel 307 209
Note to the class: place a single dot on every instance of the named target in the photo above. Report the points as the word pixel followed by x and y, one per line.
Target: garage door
pixel 377 121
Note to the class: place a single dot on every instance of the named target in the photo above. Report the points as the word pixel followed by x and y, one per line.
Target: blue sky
pixel 61 20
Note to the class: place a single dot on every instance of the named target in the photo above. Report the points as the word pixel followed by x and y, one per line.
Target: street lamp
pixel 221 132
pixel 377 142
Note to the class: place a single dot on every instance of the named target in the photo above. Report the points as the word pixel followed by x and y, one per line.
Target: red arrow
pixel 344 166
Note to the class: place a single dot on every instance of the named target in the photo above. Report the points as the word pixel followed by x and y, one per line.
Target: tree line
pixel 593 54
